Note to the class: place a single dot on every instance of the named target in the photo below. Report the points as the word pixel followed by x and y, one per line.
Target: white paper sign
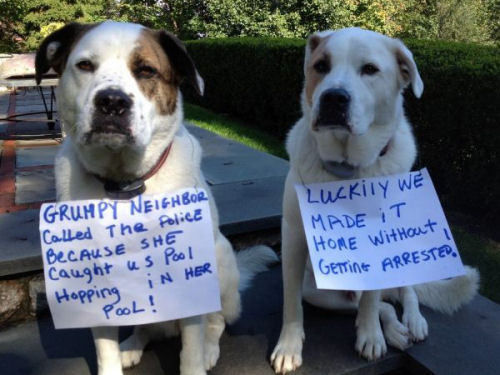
pixel 144 260
pixel 377 233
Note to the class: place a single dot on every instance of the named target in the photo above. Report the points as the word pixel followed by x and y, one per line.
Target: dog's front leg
pixel 370 342
pixel 192 353
pixel 107 350
pixel 412 318
pixel 214 328
pixel 287 354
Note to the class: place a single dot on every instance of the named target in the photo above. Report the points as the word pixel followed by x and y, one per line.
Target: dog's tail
pixel 447 296
pixel 252 261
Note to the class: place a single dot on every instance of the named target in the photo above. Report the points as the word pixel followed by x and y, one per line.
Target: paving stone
pixel 12 295
pixel 465 343
pixel 35 186
pixel 240 168
pixel 31 93
pixel 3 127
pixel 249 206
pixel 19 242
pixel 34 156
pixel 30 116
pixel 227 161
pixel 33 100
pixel 37 129
pixel 4 107
pixel 30 108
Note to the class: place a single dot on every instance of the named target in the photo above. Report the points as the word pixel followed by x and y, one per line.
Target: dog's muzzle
pixel 112 112
pixel 333 109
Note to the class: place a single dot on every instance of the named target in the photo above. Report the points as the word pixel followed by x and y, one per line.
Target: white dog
pixel 353 126
pixel 121 109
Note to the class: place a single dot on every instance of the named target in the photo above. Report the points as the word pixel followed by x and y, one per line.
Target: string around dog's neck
pixel 343 169
pixel 132 188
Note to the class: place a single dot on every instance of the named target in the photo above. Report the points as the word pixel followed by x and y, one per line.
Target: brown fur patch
pixel 403 65
pixel 318 53
pixel 162 87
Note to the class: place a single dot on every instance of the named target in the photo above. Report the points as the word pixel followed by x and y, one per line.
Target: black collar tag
pixel 124 189
pixel 344 171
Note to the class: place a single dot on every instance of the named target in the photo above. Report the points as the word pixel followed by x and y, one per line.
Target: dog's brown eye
pixel 86 66
pixel 369 69
pixel 145 71
pixel 322 66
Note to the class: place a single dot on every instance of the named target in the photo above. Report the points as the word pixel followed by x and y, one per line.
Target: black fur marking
pixel 66 37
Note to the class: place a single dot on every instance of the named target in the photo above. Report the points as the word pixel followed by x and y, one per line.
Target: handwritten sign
pixel 144 260
pixel 377 233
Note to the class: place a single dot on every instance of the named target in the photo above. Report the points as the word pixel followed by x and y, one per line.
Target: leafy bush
pixel 456 121
pixel 22 21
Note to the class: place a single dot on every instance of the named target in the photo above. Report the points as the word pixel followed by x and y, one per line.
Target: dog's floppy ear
pixel 408 69
pixel 55 48
pixel 313 41
pixel 180 59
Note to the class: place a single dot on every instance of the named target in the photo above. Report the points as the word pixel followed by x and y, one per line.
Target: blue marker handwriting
pixel 86 296
pixel 62 212
pixel 66 235
pixel 141 204
pixel 402 233
pixel 339 268
pixel 415 257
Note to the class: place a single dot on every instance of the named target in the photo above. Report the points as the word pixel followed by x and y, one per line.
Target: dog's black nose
pixel 113 102
pixel 333 108
pixel 337 99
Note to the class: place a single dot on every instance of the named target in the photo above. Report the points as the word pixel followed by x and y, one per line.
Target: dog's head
pixel 119 82
pixel 354 79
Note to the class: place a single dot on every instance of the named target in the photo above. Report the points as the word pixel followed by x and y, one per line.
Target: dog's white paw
pixel 287 355
pixel 131 351
pixel 417 325
pixel 130 358
pixel 397 334
pixel 370 342
pixel 212 352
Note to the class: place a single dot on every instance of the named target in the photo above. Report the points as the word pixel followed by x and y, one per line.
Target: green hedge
pixel 256 79
pixel 456 121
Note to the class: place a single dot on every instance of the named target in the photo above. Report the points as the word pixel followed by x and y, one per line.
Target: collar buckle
pixel 124 189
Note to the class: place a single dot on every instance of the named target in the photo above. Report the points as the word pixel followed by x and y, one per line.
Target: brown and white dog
pixel 121 109
pixel 353 126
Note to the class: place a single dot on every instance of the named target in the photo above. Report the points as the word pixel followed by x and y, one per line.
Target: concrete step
pixel 463 344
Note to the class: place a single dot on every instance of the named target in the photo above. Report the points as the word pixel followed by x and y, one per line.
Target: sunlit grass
pixel 233 129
